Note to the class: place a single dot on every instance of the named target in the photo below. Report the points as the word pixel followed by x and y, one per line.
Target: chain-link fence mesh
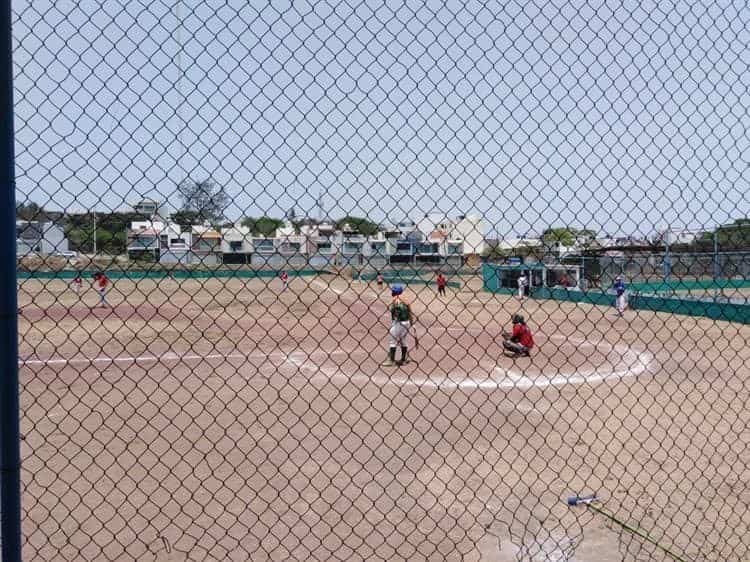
pixel 350 281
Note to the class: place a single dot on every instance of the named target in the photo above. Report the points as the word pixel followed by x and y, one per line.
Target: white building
pixel 324 240
pixel 43 238
pixel 288 241
pixel 674 237
pixel 470 229
pixel 236 244
pixel 406 228
pixel 466 232
pixel 518 243
pixel 352 245
pixel 434 222
pixel 236 239
pixel 148 207
pixel 155 238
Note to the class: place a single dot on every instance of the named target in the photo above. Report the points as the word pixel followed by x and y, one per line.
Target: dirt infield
pixel 226 419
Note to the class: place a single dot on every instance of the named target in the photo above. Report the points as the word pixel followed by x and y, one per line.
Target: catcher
pixel 520 342
pixel 402 318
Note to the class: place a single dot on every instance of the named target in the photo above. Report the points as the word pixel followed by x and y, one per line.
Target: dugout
pixel 565 276
pixel 504 278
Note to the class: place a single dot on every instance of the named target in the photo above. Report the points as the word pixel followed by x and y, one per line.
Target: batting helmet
pixel 518 319
pixel 396 290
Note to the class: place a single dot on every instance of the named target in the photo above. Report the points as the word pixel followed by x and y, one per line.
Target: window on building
pixel 144 242
pixel 403 247
pixel 428 248
pixel 263 245
pixel 351 248
pixel 290 247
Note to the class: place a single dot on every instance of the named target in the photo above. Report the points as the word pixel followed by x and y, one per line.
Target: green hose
pixel 638 532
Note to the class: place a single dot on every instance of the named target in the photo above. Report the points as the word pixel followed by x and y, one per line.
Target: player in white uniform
pixel 619 287
pixel 522 285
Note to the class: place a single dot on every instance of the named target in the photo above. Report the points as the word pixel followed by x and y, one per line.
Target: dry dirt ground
pixel 227 419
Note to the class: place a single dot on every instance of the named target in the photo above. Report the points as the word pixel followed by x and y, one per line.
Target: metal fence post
pixel 10 454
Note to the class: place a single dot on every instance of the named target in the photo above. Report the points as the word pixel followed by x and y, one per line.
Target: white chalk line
pixel 637 364
pixel 164 358
pixel 510 380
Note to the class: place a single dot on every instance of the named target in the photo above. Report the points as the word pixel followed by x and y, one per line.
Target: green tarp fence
pixel 638 300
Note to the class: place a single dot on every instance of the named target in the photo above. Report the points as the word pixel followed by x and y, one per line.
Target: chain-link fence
pixel 349 280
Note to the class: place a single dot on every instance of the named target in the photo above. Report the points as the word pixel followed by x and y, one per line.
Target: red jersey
pixel 441 281
pixel 284 276
pixel 522 335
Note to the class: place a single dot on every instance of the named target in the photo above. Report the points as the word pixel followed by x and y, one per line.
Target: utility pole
pixel 95 233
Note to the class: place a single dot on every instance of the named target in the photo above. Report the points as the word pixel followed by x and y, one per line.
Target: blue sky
pixel 608 115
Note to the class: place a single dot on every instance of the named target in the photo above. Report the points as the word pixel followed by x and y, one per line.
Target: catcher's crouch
pixel 402 318
pixel 520 341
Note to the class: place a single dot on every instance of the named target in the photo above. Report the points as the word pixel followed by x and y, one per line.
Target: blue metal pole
pixel 667 259
pixel 10 453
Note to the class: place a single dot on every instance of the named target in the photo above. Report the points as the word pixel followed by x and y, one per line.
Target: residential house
pixel 149 208
pixel 352 245
pixel 406 248
pixel 376 250
pixel 205 245
pixel 144 240
pixel 514 244
pixel 469 229
pixel 156 241
pixel 324 245
pixel 236 245
pixel 43 238
pixel 466 232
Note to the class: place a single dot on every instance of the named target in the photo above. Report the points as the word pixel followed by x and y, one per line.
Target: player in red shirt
pixel 521 341
pixel 100 282
pixel 441 283
pixel 285 280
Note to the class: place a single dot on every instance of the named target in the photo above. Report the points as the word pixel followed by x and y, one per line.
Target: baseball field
pixel 228 419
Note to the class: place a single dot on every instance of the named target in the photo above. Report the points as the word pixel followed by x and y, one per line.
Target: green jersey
pixel 400 312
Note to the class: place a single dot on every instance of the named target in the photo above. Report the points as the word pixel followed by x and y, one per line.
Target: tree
pixel 494 253
pixel 735 236
pixel 29 212
pixel 568 236
pixel 185 218
pixel 262 226
pixel 564 236
pixel 110 231
pixel 359 224
pixel 205 198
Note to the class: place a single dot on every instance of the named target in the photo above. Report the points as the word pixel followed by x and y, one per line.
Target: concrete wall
pixel 188 257
pixel 279 261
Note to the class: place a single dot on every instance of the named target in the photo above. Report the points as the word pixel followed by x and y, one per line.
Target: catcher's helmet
pixel 518 319
pixel 396 290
